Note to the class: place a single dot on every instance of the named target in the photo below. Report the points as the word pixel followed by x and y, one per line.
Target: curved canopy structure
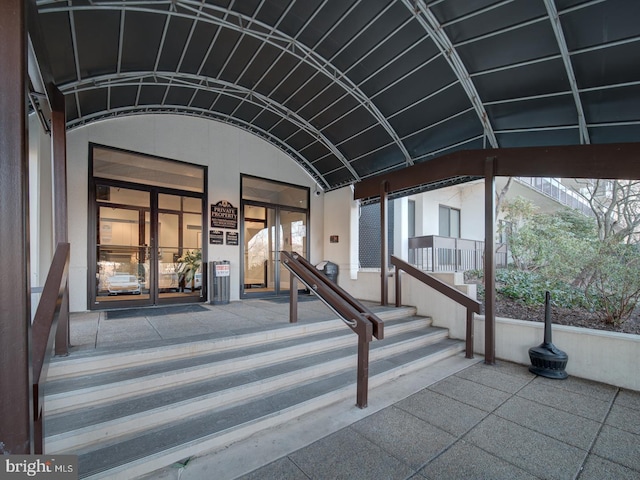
pixel 354 88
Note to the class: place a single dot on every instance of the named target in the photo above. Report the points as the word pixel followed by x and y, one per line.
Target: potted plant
pixel 189 265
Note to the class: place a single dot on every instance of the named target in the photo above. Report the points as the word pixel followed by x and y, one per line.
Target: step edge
pixel 234 434
pixel 86 364
pixel 269 385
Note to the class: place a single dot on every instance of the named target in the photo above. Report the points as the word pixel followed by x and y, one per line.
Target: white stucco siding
pixel 227 151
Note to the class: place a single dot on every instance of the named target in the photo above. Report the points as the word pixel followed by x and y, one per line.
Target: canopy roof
pixel 354 88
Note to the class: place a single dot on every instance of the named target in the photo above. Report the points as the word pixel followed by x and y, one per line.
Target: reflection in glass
pixel 180 246
pixel 260 246
pixel 122 256
pixel 134 167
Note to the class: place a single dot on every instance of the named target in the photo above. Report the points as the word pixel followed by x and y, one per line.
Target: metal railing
pixel 46 323
pixel 472 306
pixel 554 188
pixel 356 316
pixel 434 253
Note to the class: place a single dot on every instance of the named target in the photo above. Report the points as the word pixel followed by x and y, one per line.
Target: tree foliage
pixel 567 253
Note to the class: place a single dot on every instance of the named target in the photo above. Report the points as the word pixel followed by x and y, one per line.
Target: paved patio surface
pixel 483 422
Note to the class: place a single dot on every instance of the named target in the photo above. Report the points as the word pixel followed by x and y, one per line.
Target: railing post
pixel 293 298
pixel 363 372
pixel 398 288
pixel 469 337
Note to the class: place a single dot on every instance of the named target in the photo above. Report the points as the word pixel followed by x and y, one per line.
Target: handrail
pixel 359 318
pixel 472 306
pixel 43 331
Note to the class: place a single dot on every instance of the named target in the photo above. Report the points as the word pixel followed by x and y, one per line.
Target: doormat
pixel 153 311
pixel 285 298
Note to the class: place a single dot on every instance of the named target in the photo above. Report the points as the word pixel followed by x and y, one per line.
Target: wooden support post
pixel 384 248
pixel 59 154
pixel 16 412
pixel 489 261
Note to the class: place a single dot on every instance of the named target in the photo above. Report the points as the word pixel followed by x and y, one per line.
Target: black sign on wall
pixel 216 237
pixel 224 215
pixel 232 238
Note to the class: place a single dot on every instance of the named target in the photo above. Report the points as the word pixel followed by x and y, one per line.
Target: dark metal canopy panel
pixel 353 88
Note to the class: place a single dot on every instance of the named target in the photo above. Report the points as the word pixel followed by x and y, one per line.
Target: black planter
pixel 547 360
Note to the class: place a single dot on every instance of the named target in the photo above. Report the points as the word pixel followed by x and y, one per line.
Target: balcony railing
pixel 554 188
pixel 433 253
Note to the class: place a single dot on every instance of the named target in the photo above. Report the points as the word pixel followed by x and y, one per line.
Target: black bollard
pixel 547 360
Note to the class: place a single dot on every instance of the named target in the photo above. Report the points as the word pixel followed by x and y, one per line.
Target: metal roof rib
pixel 564 51
pixel 431 24
pixel 358 87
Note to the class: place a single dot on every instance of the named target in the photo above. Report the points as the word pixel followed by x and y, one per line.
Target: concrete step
pixel 82 427
pixel 103 360
pixel 65 394
pixel 153 410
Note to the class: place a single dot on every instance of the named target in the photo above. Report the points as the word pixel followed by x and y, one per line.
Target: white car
pixel 123 283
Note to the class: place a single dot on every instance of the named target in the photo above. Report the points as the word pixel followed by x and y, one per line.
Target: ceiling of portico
pixel 353 88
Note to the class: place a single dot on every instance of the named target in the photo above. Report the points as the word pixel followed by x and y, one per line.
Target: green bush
pixel 530 288
pixel 614 283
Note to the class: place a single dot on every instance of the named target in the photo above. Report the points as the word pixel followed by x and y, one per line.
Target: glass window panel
pixel 191 231
pixel 138 168
pixel 455 223
pixel 169 202
pixel 192 205
pixel 121 196
pixel 444 227
pixel 260 190
pixel 121 259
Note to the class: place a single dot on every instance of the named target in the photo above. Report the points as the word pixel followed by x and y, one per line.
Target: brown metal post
pixel 489 261
pixel 398 288
pixel 16 411
pixel 469 341
pixel 293 299
pixel 384 248
pixel 59 154
pixel 363 372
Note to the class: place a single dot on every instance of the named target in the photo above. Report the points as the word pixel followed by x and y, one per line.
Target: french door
pixel 146 241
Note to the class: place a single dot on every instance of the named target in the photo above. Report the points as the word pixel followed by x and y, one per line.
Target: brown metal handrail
pixel 472 306
pixel 359 318
pixel 44 327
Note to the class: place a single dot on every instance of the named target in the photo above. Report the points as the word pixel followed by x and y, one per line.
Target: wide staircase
pixel 127 413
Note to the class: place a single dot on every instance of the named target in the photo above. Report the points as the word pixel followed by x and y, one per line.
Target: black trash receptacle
pixel 330 270
pixel 219 276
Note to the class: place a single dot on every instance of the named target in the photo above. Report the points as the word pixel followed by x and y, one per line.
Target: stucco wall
pixel 598 355
pixel 227 151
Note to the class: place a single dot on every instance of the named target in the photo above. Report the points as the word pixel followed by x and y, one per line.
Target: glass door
pixel 148 248
pixel 179 233
pixel 122 254
pixel 261 247
pixel 293 229
pixel 267 231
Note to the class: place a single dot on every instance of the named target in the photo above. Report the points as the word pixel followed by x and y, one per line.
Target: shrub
pixel 614 285
pixel 530 288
